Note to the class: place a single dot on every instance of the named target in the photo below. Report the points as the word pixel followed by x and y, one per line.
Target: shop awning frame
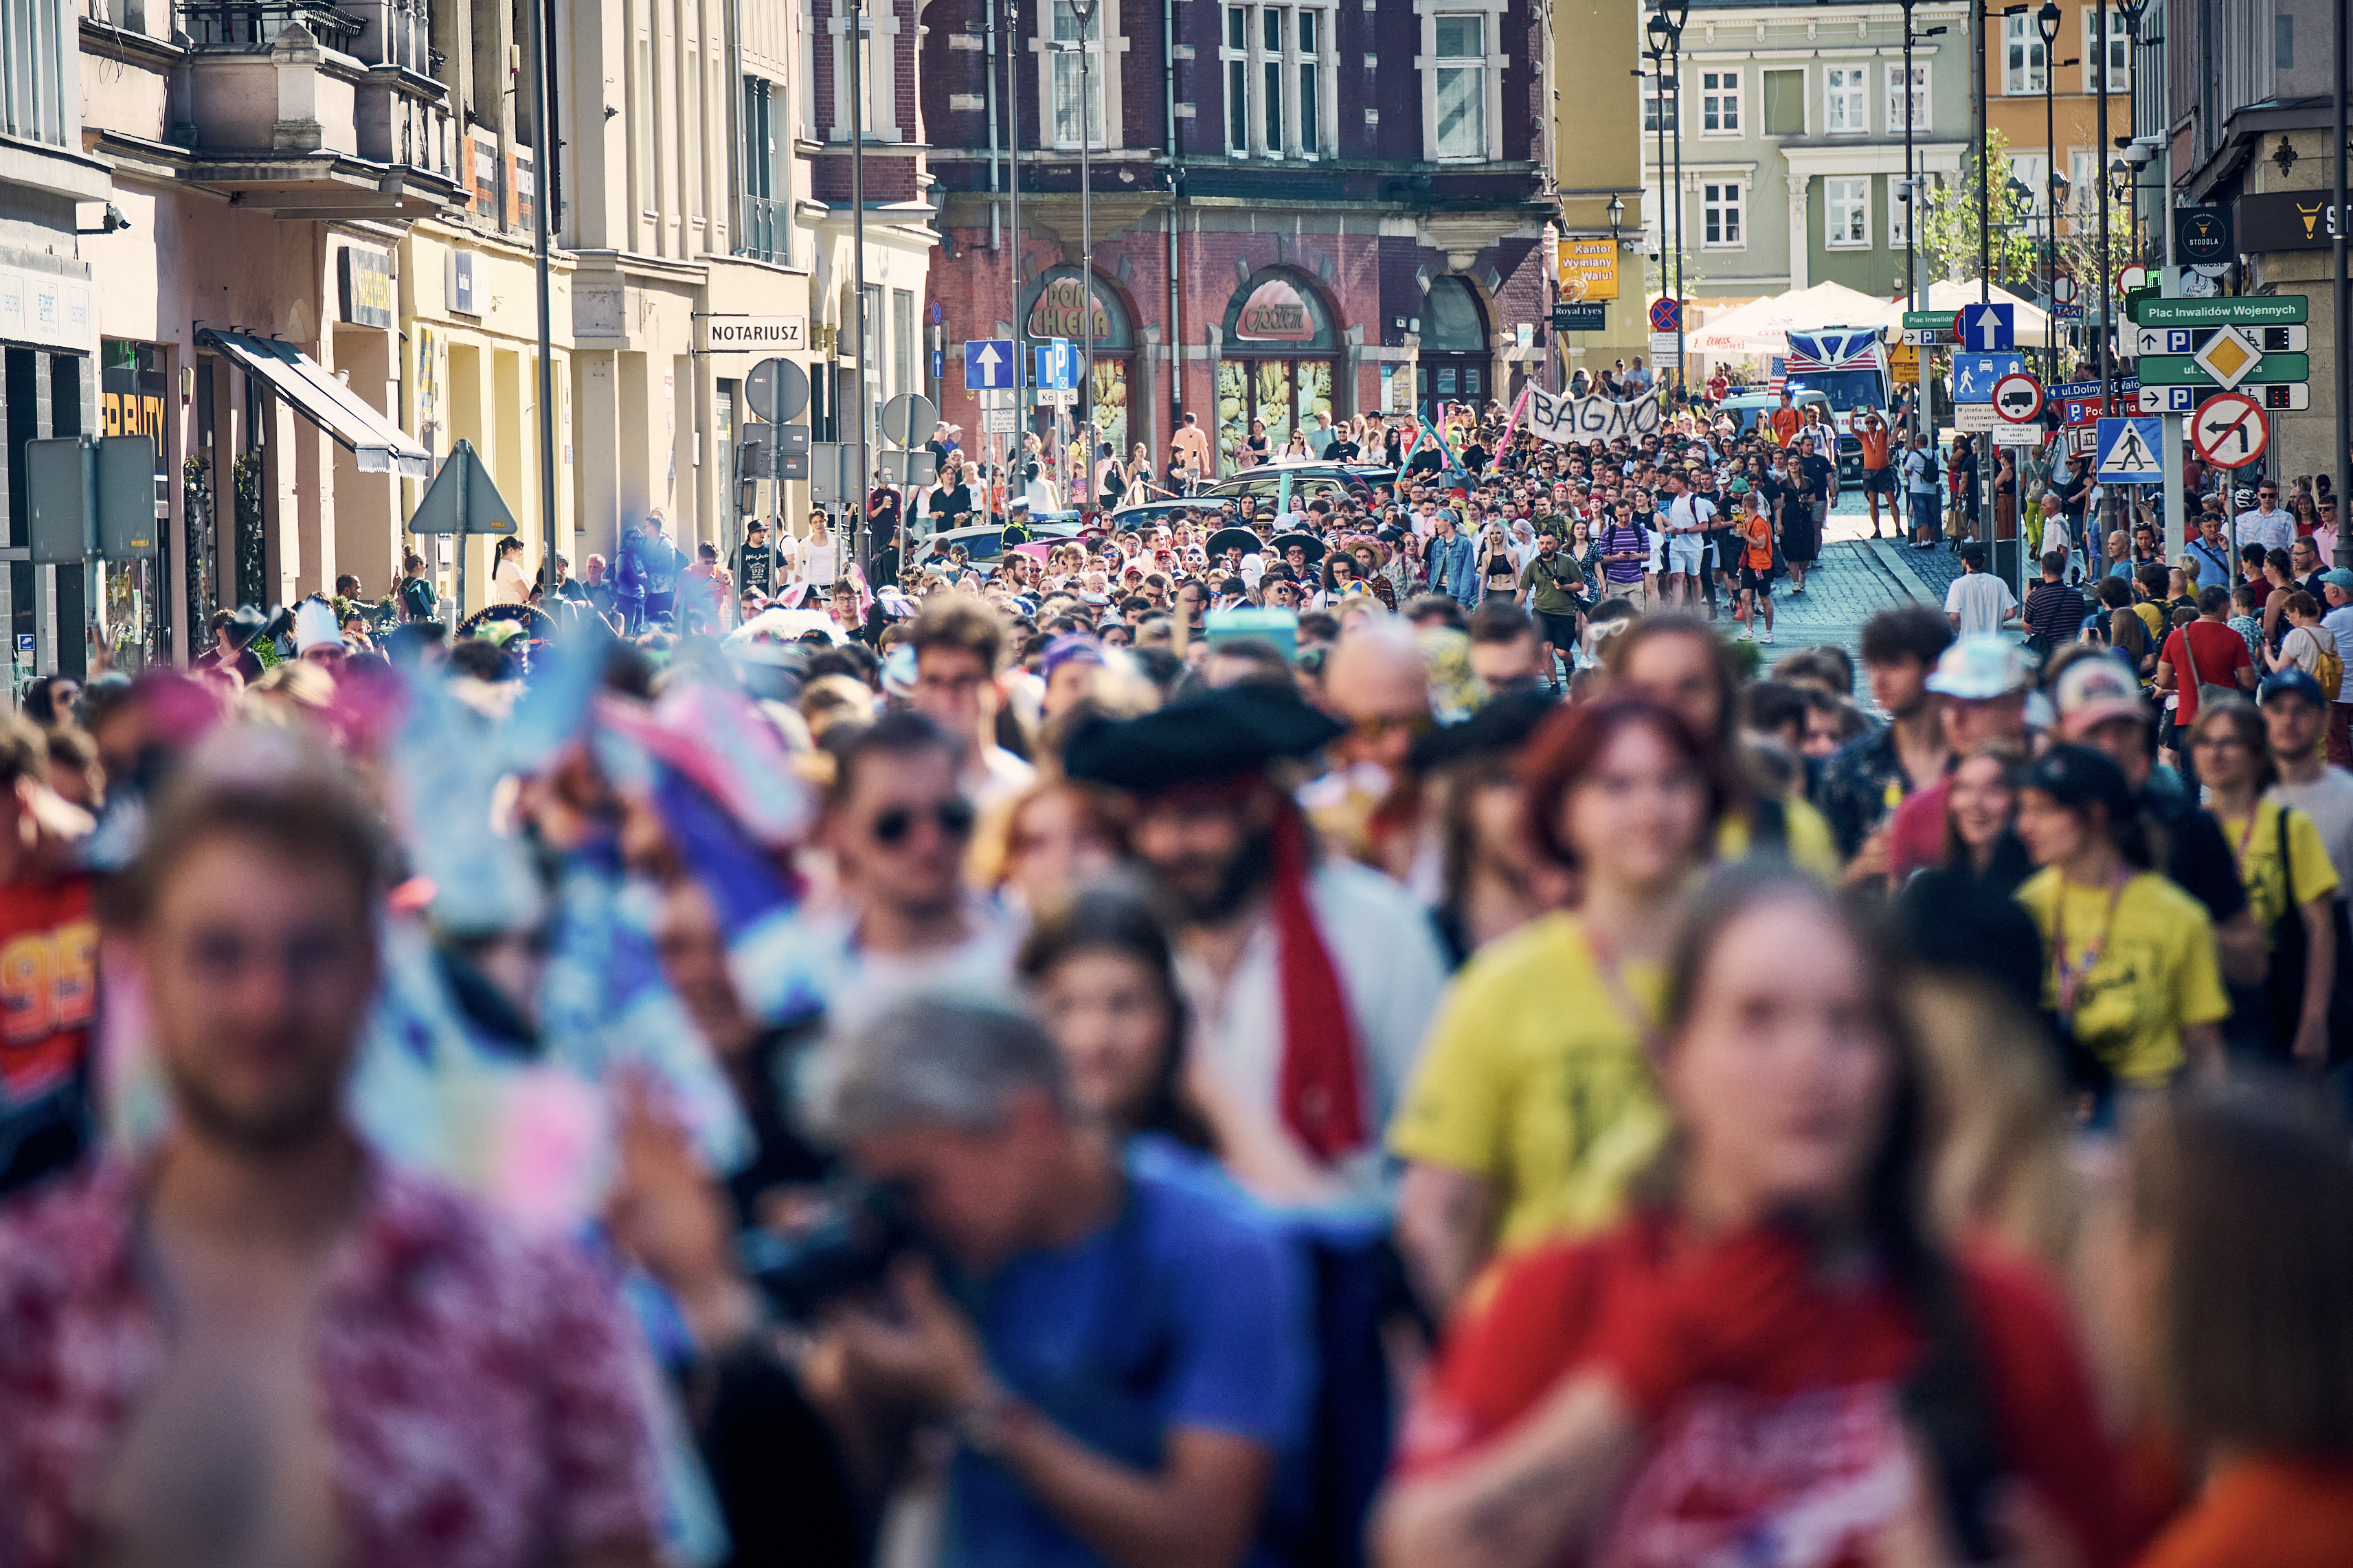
pixel 319 397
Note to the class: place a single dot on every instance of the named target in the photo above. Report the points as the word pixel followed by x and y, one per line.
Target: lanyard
pixel 1611 971
pixel 2071 977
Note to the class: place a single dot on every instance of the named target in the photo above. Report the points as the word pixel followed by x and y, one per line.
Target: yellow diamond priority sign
pixel 2229 356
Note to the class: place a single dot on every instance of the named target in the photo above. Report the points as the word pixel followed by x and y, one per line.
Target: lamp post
pixel 858 526
pixel 1658 30
pixel 1666 35
pixel 2046 25
pixel 1678 14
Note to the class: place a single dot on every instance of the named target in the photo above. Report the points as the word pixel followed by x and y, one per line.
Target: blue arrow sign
pixel 1974 376
pixel 1989 327
pixel 990 365
pixel 2129 451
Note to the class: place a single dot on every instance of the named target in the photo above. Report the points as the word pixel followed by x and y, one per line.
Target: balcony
pixel 315 110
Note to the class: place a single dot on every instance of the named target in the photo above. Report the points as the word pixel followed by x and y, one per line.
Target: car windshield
pixel 1848 390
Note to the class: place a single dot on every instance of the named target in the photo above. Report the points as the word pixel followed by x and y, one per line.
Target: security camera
pixel 2140 154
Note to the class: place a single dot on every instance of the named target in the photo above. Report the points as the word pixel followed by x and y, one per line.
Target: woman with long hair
pixel 1101 973
pixel 1681 662
pixel 1962 914
pixel 1533 1105
pixel 1773 1357
pixel 2284 865
pixel 2235 1263
pixel 2128 962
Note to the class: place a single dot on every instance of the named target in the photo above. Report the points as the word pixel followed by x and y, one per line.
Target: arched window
pixel 1457 364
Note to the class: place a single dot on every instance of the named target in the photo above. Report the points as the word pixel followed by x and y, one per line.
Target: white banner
pixel 1559 419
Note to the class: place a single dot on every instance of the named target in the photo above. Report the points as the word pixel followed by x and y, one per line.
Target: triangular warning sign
pixel 462 499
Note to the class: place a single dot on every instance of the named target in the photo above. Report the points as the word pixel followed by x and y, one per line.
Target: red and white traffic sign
pixel 2133 276
pixel 2229 431
pixel 2018 398
pixel 2065 288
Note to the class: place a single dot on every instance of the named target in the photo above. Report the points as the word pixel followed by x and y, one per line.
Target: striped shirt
pixel 1617 539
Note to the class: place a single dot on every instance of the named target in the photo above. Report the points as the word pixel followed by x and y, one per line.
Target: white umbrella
pixel 1760 327
pixel 1946 298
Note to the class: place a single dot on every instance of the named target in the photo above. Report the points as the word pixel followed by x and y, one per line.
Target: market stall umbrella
pixel 1760 327
pixel 1240 539
pixel 1282 543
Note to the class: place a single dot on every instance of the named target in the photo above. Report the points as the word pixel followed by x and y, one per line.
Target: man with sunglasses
pixel 899 822
pixel 2266 523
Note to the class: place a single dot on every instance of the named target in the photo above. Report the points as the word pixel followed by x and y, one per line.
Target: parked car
pixel 985 543
pixel 1308 481
pixel 1145 515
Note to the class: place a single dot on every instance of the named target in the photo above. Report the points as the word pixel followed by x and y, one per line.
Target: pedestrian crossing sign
pixel 2129 451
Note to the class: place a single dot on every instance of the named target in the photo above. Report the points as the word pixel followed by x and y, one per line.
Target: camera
pixel 861 1228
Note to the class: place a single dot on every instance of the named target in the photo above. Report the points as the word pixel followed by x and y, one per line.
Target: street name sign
pixel 2185 370
pixel 2261 310
pixel 2190 340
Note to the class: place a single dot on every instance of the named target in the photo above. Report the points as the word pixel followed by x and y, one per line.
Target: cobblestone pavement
pixel 1855 579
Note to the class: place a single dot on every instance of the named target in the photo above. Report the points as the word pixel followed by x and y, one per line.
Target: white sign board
pixel 1000 421
pixel 1975 417
pixel 754 334
pixel 1590 418
pixel 2007 435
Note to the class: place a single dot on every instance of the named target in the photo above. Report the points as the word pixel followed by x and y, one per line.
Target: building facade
pixel 2057 130
pixel 1790 125
pixel 1596 158
pixel 1296 210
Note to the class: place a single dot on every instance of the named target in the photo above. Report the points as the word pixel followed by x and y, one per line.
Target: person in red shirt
pixel 49 966
pixel 1784 421
pixel 1771 1362
pixel 1981 682
pixel 1878 468
pixel 2233 1273
pixel 2206 652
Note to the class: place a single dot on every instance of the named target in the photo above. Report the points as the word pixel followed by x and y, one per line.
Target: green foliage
pixel 1949 228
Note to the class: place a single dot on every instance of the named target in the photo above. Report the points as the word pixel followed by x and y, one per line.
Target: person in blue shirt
pixel 1122 1351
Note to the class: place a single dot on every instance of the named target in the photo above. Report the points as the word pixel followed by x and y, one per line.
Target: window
pixel 2283 43
pixel 1460 54
pixel 1657 109
pixel 1895 99
pixel 904 344
pixel 1237 136
pixel 1276 102
pixel 2083 185
pixel 1071 69
pixel 1720 215
pixel 1719 103
pixel 1846 214
pixel 38 45
pixel 2024 63
pixel 2119 52
pixel 765 230
pixel 1850 113
pixel 2029 168
pixel 1785 103
pixel 877 96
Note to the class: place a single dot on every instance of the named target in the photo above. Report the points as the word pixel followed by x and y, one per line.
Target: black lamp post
pixel 1662 35
pixel 1665 28
pixel 2046 25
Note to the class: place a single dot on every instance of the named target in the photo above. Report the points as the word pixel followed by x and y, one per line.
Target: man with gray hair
pixel 1137 1362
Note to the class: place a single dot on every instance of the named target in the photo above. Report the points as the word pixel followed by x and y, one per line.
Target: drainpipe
pixel 1175 179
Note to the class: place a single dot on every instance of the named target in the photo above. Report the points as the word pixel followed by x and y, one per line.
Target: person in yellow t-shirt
pixel 1534 1105
pixel 2233 756
pixel 2128 958
pixel 1681 663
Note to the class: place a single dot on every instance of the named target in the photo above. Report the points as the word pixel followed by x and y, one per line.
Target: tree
pixel 1949 228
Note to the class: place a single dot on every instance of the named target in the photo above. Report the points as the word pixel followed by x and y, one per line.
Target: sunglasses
pixel 894 828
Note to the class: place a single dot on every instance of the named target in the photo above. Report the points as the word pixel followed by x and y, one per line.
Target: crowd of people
pixel 1492 1067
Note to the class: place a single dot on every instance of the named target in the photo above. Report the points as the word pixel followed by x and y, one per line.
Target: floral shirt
pixel 481 1401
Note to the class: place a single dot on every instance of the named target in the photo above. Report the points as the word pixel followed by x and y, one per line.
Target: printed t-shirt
pixel 48 994
pixel 2255 842
pixel 1188 1310
pixel 2220 653
pixel 2263 1512
pixel 1806 1458
pixel 1534 1078
pixel 2155 974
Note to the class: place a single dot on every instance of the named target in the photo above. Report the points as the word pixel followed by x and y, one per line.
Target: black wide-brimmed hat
pixel 1240 539
pixel 1231 733
pixel 1282 543
pixel 1499 728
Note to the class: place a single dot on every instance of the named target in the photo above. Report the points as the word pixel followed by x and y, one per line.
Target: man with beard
pixel 1313 978
pixel 255 1341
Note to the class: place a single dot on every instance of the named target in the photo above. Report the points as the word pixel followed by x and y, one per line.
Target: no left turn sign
pixel 2018 398
pixel 2229 431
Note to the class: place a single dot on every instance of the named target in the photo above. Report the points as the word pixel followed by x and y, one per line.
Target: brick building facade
pixel 1349 198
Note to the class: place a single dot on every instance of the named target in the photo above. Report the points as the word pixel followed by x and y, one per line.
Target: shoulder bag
pixel 2206 693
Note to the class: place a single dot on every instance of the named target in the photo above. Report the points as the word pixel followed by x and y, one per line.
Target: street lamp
pixel 2046 27
pixel 1617 216
pixel 1083 12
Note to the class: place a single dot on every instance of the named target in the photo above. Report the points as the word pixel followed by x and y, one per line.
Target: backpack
pixel 2330 673
pixel 417 598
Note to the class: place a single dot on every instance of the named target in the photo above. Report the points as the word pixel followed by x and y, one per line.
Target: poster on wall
pixel 1591 418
